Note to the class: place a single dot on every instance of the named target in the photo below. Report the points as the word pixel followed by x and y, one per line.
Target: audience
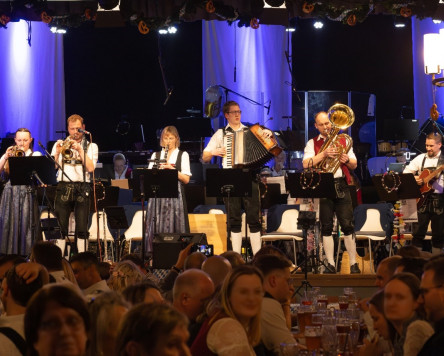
pixel 85 267
pixel 235 258
pixel 402 309
pixel 49 255
pixel 385 270
pixel 217 267
pixel 233 323
pixel 194 260
pixel 56 322
pixel 413 265
pixel 104 270
pixel 432 286
pixel 153 329
pixel 125 273
pixel 145 292
pixel 105 312
pixel 275 313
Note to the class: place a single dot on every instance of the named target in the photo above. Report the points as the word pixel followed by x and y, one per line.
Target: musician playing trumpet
pixel 215 147
pixel 16 205
pixel 342 204
pixel 433 208
pixel 77 158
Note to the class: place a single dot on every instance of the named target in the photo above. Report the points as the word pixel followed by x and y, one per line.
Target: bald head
pixel 191 290
pixel 235 258
pixel 386 269
pixel 218 268
pixel 194 260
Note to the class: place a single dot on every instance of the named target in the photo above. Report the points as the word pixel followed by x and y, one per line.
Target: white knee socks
pixel 255 240
pixel 329 249
pixel 236 241
pixel 350 245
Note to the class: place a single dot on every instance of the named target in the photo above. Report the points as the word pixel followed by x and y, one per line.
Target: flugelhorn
pixel 341 117
pixel 17 152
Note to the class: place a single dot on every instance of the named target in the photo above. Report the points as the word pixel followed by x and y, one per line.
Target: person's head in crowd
pixel 153 329
pixel 269 250
pixel 279 162
pixel 277 276
pixel 106 311
pixel 134 258
pixel 376 310
pixel 119 162
pixel 265 173
pixel 57 322
pixel 144 292
pixel 385 270
pixel 432 286
pixel 217 268
pixel 194 260
pixel 47 254
pixel 409 251
pixel 7 261
pixel 16 291
pixel 235 258
pixel 401 295
pixel 104 270
pixel 191 290
pixel 413 265
pixel 241 298
pixel 69 273
pixel 85 268
pixel 125 273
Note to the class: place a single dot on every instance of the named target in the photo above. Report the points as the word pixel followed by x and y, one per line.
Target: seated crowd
pixel 202 306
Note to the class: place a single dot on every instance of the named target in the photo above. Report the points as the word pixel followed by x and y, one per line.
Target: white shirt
pixel 415 167
pixel 120 176
pixel 185 162
pixel 75 171
pixel 309 152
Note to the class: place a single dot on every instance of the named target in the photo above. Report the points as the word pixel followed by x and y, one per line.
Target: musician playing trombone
pixel 77 158
pixel 433 208
pixel 342 204
pixel 215 147
pixel 16 205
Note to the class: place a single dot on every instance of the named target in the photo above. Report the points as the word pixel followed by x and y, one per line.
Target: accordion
pixel 248 148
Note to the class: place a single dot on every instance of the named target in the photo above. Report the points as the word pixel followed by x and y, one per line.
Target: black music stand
pixel 117 221
pixel 321 186
pixel 155 183
pixel 229 183
pixel 28 170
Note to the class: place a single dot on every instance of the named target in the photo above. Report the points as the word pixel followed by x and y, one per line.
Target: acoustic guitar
pixel 428 177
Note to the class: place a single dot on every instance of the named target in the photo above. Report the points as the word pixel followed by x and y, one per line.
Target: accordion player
pixel 248 148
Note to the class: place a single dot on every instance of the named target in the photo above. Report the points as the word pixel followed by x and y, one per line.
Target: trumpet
pixel 67 152
pixel 17 152
pixel 341 117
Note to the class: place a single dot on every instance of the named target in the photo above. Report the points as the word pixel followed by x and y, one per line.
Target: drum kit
pixel 392 148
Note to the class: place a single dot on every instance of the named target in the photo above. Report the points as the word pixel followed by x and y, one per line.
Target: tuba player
pixel 342 204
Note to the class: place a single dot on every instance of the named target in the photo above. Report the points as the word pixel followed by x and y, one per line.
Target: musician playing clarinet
pixel 215 147
pixel 432 210
pixel 342 204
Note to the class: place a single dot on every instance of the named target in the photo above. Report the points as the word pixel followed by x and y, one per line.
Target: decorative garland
pixel 312 184
pixel 396 181
pixel 398 225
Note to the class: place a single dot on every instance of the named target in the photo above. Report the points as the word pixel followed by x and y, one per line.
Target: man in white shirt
pixel 432 210
pixel 77 161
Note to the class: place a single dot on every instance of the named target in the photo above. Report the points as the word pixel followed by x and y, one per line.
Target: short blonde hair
pixel 173 131
pixel 74 118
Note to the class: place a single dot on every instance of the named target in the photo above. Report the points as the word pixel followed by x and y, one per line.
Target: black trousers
pixel 252 209
pixel 432 211
pixel 73 197
pixel 342 206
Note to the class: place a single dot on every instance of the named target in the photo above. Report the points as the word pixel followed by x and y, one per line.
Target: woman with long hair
pixel 16 204
pixel 232 327
pixel 405 313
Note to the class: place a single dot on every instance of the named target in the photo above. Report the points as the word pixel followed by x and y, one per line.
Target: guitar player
pixel 430 209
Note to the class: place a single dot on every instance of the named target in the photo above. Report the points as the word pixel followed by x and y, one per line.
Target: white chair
pixel 287 230
pixel 135 231
pixel 371 231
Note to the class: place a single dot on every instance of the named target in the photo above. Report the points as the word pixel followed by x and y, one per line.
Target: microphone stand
pixel 227 90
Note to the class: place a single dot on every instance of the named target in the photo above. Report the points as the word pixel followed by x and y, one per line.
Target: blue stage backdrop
pixel 262 72
pixel 32 88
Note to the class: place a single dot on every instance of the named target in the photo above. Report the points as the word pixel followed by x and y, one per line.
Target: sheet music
pixel 409 210
pixel 310 204
pixel 278 180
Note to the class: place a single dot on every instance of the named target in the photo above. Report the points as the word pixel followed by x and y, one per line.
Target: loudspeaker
pixel 166 247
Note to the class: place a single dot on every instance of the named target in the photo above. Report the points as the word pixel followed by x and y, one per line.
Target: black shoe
pixel 354 269
pixel 329 269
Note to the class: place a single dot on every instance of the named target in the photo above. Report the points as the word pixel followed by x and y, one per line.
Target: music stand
pixel 324 187
pixel 155 183
pixel 408 188
pixel 23 170
pixel 117 221
pixel 229 183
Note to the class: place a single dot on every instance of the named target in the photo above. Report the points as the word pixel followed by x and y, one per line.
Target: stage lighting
pixel 275 3
pixel 401 22
pixel 318 25
pixel 171 30
pixel 60 30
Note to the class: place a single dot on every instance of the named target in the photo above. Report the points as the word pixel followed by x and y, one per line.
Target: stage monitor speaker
pixel 166 247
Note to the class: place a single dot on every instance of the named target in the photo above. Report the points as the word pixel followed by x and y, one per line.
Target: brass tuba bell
pixel 341 117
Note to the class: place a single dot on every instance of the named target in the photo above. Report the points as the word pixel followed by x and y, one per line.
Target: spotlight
pixel 163 31
pixel 436 21
pixel 172 30
pixel 274 3
pixel 318 25
pixel 60 30
pixel 401 22
pixel 290 29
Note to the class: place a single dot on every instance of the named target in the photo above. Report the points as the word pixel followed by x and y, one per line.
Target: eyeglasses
pixel 423 291
pixel 237 112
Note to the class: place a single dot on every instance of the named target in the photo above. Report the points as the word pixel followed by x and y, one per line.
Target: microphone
pixel 269 106
pixel 168 96
pixel 84 131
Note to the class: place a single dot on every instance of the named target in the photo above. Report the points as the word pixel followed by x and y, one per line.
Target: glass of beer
pixel 313 336
pixel 343 302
